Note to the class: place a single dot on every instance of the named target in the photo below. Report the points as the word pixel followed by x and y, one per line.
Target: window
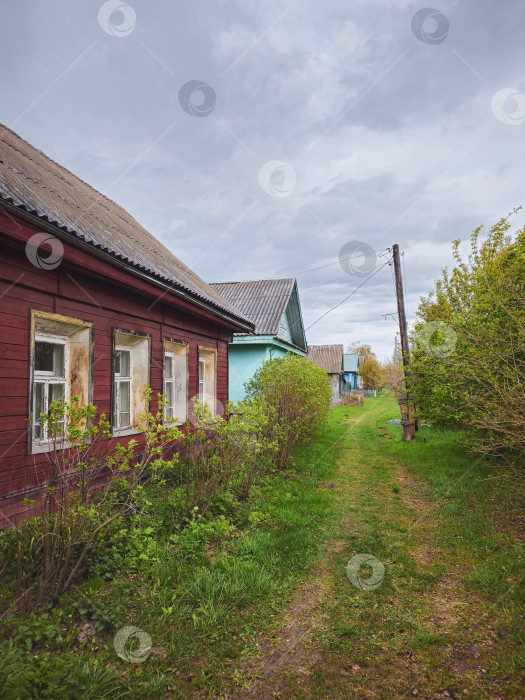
pixel 50 383
pixel 207 377
pixel 169 389
pixel 176 380
pixel 201 373
pixel 60 367
pixel 122 371
pixel 131 361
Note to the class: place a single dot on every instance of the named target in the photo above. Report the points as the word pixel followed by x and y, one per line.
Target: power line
pixel 348 297
pixel 311 269
pixel 322 284
pixel 337 262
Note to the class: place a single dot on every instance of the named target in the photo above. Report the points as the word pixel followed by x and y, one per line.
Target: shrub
pixel 51 550
pixel 224 456
pixel 56 677
pixel 352 400
pixel 297 396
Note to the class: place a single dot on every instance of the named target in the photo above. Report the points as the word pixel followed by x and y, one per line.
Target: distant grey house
pixel 330 358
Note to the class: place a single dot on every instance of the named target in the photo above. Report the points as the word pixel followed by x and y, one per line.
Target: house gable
pixel 291 328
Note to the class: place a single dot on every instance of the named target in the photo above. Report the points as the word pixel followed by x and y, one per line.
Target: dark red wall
pixel 87 288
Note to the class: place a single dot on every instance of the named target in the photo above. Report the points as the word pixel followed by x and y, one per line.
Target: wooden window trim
pixel 212 351
pixel 63 329
pixel 139 337
pixel 166 352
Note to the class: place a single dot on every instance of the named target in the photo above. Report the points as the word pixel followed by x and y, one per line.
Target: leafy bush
pixel 470 372
pixel 106 612
pixel 51 551
pixel 24 677
pixel 297 396
pixel 224 456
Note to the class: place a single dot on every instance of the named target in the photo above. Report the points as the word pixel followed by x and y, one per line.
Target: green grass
pixel 429 512
pixel 478 500
pixel 442 523
pixel 206 603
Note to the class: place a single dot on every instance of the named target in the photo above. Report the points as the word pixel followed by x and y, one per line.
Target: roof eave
pixel 62 233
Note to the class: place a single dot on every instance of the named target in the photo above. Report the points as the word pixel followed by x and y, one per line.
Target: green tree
pixel 468 347
pixel 361 349
pixel 372 373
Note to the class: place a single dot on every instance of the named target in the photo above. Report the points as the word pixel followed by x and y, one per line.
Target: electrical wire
pixel 338 279
pixel 348 297
pixel 311 269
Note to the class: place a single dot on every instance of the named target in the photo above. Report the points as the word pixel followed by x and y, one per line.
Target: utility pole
pixel 407 414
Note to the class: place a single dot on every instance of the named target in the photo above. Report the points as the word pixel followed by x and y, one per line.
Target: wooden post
pixel 407 416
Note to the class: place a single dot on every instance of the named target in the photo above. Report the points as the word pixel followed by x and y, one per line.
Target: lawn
pixel 256 600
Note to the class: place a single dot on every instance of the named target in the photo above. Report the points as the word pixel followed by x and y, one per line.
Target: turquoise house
pixel 273 306
pixel 351 371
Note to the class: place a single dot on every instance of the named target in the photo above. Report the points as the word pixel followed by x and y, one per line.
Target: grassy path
pixel 257 603
pixel 443 622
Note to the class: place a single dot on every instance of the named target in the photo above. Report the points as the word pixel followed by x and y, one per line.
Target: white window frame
pixel 200 378
pixel 47 378
pixel 117 381
pixel 203 354
pixel 169 407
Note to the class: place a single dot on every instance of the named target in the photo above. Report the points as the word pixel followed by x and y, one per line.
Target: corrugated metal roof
pixel 31 181
pixel 350 362
pixel 327 357
pixel 262 301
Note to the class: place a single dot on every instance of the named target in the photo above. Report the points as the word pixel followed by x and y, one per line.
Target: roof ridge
pixel 269 279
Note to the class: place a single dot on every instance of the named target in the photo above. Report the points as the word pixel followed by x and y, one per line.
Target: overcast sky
pixel 392 123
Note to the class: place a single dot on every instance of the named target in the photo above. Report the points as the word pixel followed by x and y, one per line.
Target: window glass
pixel 49 358
pixel 168 390
pixel 123 409
pixel 201 379
pixel 124 396
pixel 56 392
pixel 122 363
pixel 168 367
pixel 38 408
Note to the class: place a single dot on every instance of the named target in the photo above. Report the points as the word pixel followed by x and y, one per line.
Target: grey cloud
pixel 402 165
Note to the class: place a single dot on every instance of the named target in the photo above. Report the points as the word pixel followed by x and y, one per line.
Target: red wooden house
pixel 92 304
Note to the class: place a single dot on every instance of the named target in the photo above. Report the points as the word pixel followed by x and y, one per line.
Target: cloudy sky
pixel 319 127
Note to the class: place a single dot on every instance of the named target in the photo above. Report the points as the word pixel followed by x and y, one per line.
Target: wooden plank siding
pixel 91 289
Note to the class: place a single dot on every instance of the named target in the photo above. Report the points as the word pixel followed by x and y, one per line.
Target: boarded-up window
pixel 175 380
pixel 207 377
pixel 60 367
pixel 131 371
